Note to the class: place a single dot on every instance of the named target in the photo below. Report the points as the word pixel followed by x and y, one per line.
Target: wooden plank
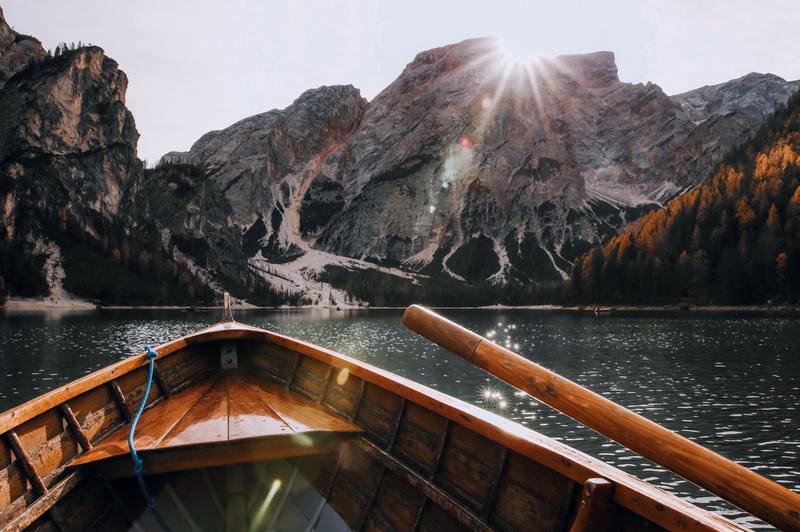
pixel 133 385
pixel 27 467
pixel 51 458
pixel 372 496
pixel 390 441
pixel 746 489
pixel 378 413
pixel 82 507
pixel 30 409
pixel 594 510
pixel 44 503
pixel 445 438
pixel 300 413
pixel 436 519
pixel 222 453
pixel 248 415
pixel 494 486
pixel 397 504
pixel 162 384
pixel 77 430
pixel 16 493
pixel 420 513
pixel 311 378
pixel 355 484
pixel 419 438
pixel 275 361
pixel 318 470
pixel 153 426
pixel 343 392
pixel 206 421
pixel 359 397
pixel 470 464
pixel 646 500
pixel 530 495
pixel 223 407
pixel 122 403
pixel 464 516
pixel 635 495
pixel 36 432
pixel 97 412
pixel 188 365
pixel 47 443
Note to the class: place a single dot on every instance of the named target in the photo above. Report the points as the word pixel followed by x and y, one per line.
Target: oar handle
pixel 746 489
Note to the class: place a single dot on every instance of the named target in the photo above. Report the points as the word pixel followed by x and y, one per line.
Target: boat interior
pixel 245 429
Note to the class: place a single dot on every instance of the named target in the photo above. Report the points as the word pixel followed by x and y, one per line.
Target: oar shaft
pixel 746 489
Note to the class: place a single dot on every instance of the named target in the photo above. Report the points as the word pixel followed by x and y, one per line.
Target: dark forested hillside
pixel 734 239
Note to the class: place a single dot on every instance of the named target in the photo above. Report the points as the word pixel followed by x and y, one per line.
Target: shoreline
pixel 77 305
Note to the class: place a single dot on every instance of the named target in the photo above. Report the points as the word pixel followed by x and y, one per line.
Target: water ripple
pixel 731 383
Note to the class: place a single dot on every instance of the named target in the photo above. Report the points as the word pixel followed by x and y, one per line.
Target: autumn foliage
pixel 733 239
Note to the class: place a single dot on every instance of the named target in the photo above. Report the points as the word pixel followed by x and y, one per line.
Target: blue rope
pixel 138 465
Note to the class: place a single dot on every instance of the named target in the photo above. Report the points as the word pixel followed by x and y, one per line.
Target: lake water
pixel 729 382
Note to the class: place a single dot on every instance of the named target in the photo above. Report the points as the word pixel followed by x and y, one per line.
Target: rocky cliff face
pixel 17 51
pixel 67 163
pixel 473 166
pixel 67 149
pixel 469 170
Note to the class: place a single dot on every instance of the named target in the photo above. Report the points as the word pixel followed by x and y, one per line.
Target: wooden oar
pixel 746 489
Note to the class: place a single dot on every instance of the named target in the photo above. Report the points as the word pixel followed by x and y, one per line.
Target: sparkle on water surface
pixel 731 383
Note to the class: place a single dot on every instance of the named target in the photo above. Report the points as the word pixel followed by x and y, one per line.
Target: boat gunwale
pixel 640 497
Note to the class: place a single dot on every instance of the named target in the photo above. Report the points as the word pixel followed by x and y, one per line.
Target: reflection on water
pixel 730 383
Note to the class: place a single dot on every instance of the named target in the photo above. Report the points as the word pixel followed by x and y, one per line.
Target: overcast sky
pixel 202 65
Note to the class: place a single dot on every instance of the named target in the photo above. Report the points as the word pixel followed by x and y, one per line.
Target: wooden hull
pixel 400 457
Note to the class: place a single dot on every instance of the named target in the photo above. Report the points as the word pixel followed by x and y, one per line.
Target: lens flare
pixel 465 142
pixel 261 513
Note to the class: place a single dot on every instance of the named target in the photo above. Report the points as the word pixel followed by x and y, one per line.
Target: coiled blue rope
pixel 138 465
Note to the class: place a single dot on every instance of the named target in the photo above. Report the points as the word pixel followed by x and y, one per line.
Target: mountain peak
pixel 595 69
pixel 17 51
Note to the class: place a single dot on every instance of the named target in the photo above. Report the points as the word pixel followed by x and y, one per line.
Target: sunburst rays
pixel 524 88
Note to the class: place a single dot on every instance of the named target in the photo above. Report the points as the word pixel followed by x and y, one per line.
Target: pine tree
pixel 733 239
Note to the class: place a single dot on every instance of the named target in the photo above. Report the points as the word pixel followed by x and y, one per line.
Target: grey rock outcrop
pixel 470 167
pixel 68 169
pixel 17 51
pixel 469 156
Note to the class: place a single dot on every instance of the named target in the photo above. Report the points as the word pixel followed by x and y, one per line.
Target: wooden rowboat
pixel 246 429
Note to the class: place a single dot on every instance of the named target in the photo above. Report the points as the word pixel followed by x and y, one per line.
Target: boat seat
pixel 227 417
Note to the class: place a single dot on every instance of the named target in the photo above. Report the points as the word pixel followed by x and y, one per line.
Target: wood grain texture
pixel 419 438
pixel 25 463
pixel 460 517
pixel 93 406
pixel 595 507
pixel 187 457
pixel 76 428
pixel 224 407
pixel 43 504
pixel 531 495
pixel 731 481
pixel 121 400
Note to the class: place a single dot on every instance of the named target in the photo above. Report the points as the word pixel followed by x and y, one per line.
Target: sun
pixel 517 51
